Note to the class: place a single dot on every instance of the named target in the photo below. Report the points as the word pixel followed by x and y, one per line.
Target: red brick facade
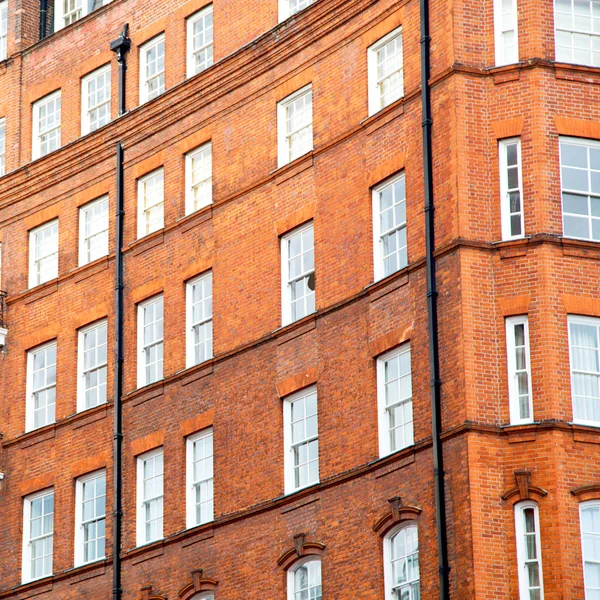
pixel 257 362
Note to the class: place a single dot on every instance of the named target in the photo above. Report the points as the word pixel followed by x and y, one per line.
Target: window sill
pixel 382 117
pixel 289 170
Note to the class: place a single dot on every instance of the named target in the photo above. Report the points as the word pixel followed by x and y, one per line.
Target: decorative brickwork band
pixel 397 513
pixel 523 490
pixel 199 584
pixel 301 548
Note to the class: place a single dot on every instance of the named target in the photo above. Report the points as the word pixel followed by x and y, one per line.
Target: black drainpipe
pixel 432 317
pixel 43 18
pixel 120 46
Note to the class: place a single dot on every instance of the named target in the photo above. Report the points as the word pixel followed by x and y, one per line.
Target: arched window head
pixel 204 596
pixel 304 579
pixel 401 563
pixel 529 555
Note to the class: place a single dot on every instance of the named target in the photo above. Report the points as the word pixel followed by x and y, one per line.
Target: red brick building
pixel 284 302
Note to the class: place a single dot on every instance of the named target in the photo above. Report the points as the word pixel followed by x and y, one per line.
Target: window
pixel 150 341
pixel 287 8
pixel 294 125
pixel 580 182
pixel 529 556
pixel 394 394
pixel 90 518
pixel 69 11
pixel 200 478
pixel 389 227
pixel 2 147
pixel 204 596
pixel 150 497
pixel 46 125
pixel 199 318
pixel 200 41
pixel 577 24
pixel 589 514
pixel 43 253
pixel 95 100
pixel 41 386
pixel 198 178
pixel 386 77
pixel 304 580
pixel 301 440
pixel 519 370
pixel 3 29
pixel 584 347
pixel 152 68
pixel 298 273
pixel 38 535
pixel 401 561
pixel 511 190
pixel 93 230
pixel 92 366
pixel 151 203
pixel 506 32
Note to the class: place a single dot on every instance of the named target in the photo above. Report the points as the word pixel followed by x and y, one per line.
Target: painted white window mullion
pixel 199 320
pixel 589 515
pixel 41 387
pixel 577 34
pixel 198 178
pixel 401 563
pixel 200 494
pixel 287 8
pixel 511 189
pixel 295 125
pixel 200 41
pixel 519 370
pixel 150 341
pixel 151 203
pixel 92 358
pixel 43 253
pixel 584 350
pixel 506 32
pixel 95 100
pixel 152 68
pixel 46 125
pixel 38 535
pixel 394 394
pixel 3 30
pixel 385 71
pixel 529 554
pixel 150 473
pixel 304 580
pixel 90 518
pixel 93 230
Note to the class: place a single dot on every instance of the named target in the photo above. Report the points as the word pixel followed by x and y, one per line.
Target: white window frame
pixel 34 280
pixel 379 265
pixel 30 402
pixel 285 9
pixel 203 152
pixel 204 596
pixel 2 146
pixel 502 27
pixel 374 96
pixel 289 463
pixel 191 520
pixel 564 30
pixel 87 7
pixel 286 290
pixel 3 30
pixel 191 52
pixel 144 228
pixel 521 557
pixel 37 133
pixel 387 558
pixel 84 253
pixel 284 154
pixel 86 125
pixel 144 48
pixel 582 507
pixel 385 446
pixel 81 389
pixel 308 560
pixel 141 366
pixel 191 325
pixel 79 524
pixel 26 571
pixel 141 500
pixel 589 321
pixel 511 362
pixel 586 143
pixel 504 189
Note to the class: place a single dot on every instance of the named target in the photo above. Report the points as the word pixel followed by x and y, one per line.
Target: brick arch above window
pixel 524 490
pixel 397 513
pixel 301 549
pixel 199 583
pixel 587 492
